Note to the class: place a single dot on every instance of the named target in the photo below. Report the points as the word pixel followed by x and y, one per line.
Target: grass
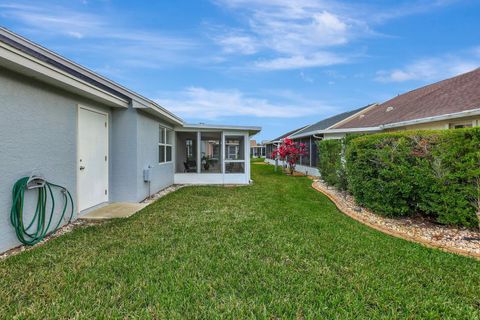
pixel 276 249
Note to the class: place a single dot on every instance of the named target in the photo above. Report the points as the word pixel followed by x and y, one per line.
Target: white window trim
pixel 165 144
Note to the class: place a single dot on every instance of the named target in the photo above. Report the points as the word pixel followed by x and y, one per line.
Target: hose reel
pixel 35 230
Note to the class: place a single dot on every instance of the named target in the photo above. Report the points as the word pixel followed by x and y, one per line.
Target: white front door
pixel 92 160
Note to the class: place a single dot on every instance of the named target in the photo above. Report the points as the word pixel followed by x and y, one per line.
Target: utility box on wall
pixel 146 174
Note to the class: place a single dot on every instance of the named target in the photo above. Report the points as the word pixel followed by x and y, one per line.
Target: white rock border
pixel 78 223
pixel 162 193
pixel 445 238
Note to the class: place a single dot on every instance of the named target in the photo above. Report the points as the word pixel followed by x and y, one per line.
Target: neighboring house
pixel 103 142
pixel 315 132
pixel 309 135
pixel 270 145
pixel 448 104
pixel 257 150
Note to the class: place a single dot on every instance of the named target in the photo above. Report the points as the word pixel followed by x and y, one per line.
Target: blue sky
pixel 279 64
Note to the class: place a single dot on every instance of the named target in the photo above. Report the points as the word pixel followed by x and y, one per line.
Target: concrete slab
pixel 114 211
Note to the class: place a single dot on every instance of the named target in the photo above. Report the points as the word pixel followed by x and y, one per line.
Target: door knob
pixel 82 167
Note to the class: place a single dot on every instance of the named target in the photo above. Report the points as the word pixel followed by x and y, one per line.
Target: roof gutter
pixel 462 114
pixel 345 130
pixel 252 130
pixel 157 111
pixel 272 142
pixel 303 134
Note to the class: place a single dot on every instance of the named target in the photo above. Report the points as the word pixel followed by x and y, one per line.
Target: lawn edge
pixel 430 244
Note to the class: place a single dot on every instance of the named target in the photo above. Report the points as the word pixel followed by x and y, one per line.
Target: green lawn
pixel 276 249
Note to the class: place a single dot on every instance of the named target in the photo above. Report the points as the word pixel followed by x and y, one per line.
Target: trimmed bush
pixel 435 173
pixel 330 163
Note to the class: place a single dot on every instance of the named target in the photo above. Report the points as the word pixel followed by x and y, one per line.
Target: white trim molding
pixel 252 130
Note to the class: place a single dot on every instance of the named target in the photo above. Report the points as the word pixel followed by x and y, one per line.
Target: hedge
pixel 331 160
pixel 330 165
pixel 432 173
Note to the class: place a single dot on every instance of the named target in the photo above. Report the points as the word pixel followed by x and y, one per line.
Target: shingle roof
pixel 287 134
pixel 457 94
pixel 326 123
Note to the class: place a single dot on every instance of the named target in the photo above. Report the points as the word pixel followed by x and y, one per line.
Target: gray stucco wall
pixel 135 148
pixel 37 131
pixel 162 175
pixel 123 175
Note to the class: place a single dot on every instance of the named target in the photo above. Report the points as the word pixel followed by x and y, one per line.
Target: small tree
pixel 290 152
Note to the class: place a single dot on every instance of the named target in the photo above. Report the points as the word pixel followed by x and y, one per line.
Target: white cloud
pixel 54 20
pixel 318 59
pixel 100 34
pixel 294 34
pixel 431 69
pixel 272 34
pixel 298 33
pixel 238 43
pixel 406 8
pixel 306 78
pixel 201 103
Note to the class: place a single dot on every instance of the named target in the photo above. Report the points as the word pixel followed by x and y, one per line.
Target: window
pixel 234 154
pixel 165 145
pixel 460 125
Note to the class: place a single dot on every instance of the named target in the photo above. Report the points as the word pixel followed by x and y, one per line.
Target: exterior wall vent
pixel 389 109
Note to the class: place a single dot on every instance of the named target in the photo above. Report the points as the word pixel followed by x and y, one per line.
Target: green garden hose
pixel 25 231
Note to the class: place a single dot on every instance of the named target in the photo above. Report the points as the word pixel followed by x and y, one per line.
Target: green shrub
pixel 434 173
pixel 330 163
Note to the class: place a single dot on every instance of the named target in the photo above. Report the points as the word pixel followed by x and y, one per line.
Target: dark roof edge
pixel 346 116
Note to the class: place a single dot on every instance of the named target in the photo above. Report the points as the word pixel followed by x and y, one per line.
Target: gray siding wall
pixel 38 130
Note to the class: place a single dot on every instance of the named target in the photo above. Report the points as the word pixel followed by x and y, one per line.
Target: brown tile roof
pixel 452 95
